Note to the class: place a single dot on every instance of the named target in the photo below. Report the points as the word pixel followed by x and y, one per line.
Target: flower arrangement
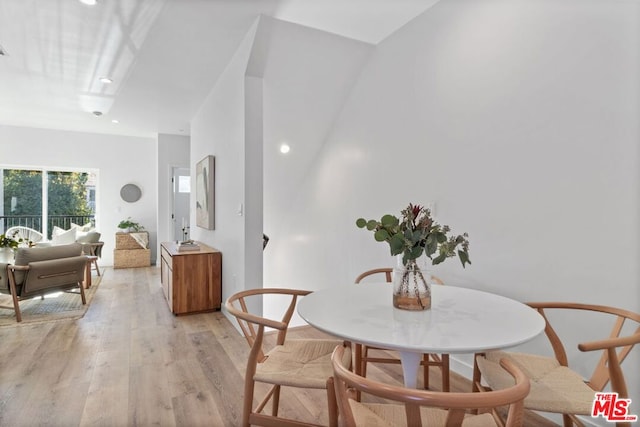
pixel 9 241
pixel 417 234
pixel 412 236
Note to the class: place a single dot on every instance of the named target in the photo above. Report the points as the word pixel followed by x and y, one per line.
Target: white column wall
pixel 218 129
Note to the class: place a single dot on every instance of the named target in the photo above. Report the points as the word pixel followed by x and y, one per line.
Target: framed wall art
pixel 205 206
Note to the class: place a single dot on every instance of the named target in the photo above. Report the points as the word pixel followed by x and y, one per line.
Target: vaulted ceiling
pixel 162 56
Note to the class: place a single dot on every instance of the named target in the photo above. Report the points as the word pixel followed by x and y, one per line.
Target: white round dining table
pixel 460 320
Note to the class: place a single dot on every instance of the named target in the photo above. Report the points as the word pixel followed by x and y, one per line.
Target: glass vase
pixel 411 286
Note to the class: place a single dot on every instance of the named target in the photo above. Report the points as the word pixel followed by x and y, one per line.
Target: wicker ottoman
pixel 128 252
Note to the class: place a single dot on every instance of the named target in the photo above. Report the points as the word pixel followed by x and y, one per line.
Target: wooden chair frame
pixel 362 356
pixel 348 385
pixel 614 350
pixel 253 328
pixel 94 253
pixel 11 270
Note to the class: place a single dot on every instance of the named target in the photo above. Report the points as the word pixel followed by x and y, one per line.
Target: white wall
pixel 173 152
pixel 519 121
pixel 304 92
pixel 119 160
pixel 288 93
pixel 219 130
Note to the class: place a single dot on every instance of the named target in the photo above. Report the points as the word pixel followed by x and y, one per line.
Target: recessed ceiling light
pixel 89 2
pixel 106 80
pixel 115 121
pixel 97 113
pixel 284 148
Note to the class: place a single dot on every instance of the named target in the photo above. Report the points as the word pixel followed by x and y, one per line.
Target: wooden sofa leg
pixel 84 299
pixel 14 296
pixel 16 308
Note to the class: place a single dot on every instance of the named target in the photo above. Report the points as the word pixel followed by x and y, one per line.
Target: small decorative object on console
pixel 188 245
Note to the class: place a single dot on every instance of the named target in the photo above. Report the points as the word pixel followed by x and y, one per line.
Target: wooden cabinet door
pixel 196 291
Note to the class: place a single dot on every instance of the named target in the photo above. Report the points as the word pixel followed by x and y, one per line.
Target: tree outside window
pixel 69 197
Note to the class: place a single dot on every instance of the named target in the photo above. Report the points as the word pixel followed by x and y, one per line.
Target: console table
pixel 191 280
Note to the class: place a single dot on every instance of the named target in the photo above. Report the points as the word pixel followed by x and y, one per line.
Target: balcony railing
pixel 35 221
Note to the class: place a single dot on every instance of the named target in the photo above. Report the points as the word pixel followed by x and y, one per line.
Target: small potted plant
pixel 8 245
pixel 128 225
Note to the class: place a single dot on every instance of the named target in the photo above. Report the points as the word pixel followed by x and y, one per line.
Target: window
pixel 184 184
pixel 42 199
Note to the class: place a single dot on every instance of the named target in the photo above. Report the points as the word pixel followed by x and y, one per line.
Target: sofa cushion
pixel 24 256
pixel 27 255
pixel 64 237
pixel 88 237
pixel 83 228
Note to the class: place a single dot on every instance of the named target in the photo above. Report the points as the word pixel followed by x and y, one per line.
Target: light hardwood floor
pixel 130 362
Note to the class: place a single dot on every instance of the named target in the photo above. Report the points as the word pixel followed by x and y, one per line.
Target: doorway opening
pixel 181 178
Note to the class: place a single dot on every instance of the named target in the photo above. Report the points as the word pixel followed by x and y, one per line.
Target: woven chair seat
pixel 300 363
pixel 391 415
pixel 554 388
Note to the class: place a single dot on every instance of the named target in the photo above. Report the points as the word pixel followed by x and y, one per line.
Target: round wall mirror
pixel 130 193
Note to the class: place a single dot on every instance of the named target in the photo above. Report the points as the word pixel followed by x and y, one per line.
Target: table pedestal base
pixel 410 365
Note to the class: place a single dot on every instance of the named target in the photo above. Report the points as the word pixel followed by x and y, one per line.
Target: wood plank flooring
pixel 130 362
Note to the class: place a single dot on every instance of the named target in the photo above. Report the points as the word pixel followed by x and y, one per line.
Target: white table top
pixel 460 320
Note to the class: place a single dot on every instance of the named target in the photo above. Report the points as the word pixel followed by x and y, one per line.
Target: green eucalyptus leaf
pixel 416 252
pixel 396 243
pixel 389 221
pixel 381 235
pixel 431 247
pixel 361 222
pixel 464 258
pixel 440 258
pixel 372 224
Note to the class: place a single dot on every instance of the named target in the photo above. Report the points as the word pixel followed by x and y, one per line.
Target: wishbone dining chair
pixel 299 363
pixel 555 387
pixel 387 405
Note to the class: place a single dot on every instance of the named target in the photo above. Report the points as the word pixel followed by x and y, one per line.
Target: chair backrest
pixel 91 244
pixel 253 326
pixel 614 348
pixel 348 384
pixel 25 233
pixel 387 274
pixel 50 267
